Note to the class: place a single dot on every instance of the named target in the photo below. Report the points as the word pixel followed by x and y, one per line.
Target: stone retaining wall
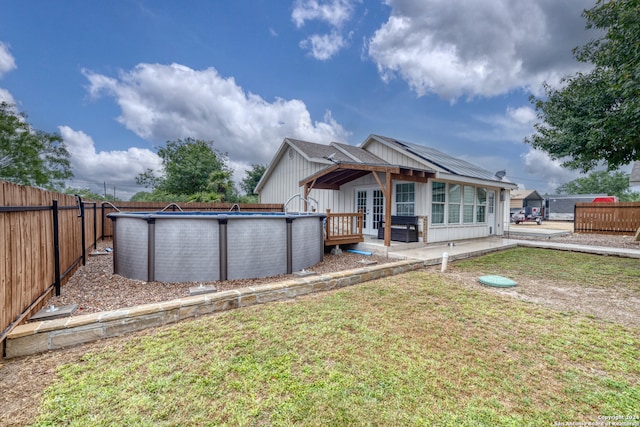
pixel 47 335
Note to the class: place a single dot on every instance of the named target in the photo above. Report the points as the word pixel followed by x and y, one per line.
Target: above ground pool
pixel 211 246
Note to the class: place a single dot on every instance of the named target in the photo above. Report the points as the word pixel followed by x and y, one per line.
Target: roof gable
pixel 525 194
pixel 320 153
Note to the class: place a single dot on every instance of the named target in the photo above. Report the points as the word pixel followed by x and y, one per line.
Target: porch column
pixel 386 192
pixel 387 211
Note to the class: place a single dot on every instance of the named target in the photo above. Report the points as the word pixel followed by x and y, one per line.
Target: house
pixel 451 199
pixel 523 199
pixel 634 177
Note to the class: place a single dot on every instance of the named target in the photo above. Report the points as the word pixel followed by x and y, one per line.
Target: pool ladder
pixel 175 205
pixel 299 196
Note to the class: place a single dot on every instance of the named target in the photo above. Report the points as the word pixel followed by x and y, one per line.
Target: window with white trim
pixel 405 199
pixel 481 207
pixel 455 197
pixel 455 204
pixel 468 199
pixel 438 198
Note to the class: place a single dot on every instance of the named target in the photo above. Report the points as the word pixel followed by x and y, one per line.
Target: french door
pixel 371 202
pixel 491 211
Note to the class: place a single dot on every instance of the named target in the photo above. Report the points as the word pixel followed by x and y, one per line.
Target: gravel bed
pixel 95 288
pixel 607 240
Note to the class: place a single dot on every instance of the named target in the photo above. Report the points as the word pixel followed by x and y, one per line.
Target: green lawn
pixel 414 349
pixel 573 267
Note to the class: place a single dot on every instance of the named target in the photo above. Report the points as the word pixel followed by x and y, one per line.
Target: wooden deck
pixel 343 228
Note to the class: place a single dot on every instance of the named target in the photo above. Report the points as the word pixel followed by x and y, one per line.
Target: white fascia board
pixel 444 176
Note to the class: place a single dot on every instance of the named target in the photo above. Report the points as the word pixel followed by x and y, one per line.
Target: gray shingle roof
pixel 319 151
pixel 339 152
pixel 359 154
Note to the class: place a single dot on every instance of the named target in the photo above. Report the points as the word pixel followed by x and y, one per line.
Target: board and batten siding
pixel 448 233
pixel 284 179
pixel 283 182
pixel 393 156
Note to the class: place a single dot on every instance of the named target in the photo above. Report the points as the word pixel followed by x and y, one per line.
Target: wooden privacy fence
pixel 607 218
pixel 42 242
pixel 44 238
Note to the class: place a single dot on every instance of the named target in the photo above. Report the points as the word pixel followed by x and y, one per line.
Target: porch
pixel 343 228
pixel 347 228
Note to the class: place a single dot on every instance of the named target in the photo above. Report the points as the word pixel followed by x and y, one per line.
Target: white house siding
pixel 289 170
pixel 283 181
pixel 392 156
pixel 451 232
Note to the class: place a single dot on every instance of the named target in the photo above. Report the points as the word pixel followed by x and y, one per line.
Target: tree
pixel 595 117
pixel 190 167
pixel 250 182
pixel 86 193
pixel 601 182
pixel 29 156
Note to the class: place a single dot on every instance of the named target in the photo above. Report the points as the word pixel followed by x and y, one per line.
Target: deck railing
pixel 343 228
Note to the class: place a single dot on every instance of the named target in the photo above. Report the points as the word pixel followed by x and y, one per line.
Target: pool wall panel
pixel 256 247
pixel 307 248
pixel 132 248
pixel 187 245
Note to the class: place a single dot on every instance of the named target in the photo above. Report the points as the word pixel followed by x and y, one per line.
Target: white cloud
pixel 335 13
pixel 525 116
pixel 551 172
pixel 323 47
pixel 511 126
pixel 7 63
pixel 168 102
pixel 117 168
pixel 457 48
pixel 5 96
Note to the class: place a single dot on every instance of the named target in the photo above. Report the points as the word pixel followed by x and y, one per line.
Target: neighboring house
pixel 453 199
pixel 521 199
pixel 634 178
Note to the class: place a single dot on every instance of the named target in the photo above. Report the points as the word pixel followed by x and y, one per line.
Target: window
pixel 438 196
pixel 481 207
pixel 405 199
pixel 459 204
pixel 455 194
pixel 468 200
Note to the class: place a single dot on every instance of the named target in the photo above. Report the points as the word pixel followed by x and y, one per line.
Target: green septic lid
pixel 497 281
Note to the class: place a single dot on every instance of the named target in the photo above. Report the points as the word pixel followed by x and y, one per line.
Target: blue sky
pixel 119 78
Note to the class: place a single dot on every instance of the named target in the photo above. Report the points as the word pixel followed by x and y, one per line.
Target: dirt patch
pixel 614 304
